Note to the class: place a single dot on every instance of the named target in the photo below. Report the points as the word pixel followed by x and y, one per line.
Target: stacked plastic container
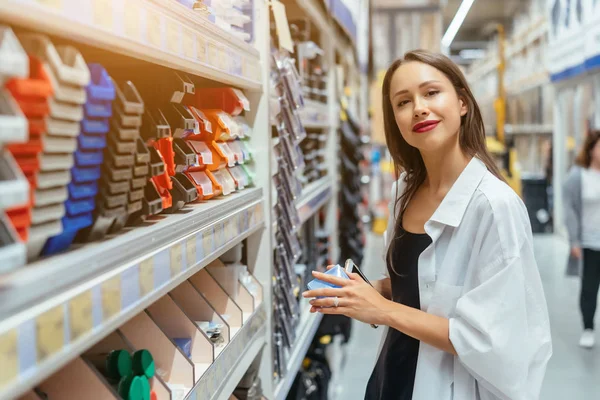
pixel 178 155
pixel 116 200
pixel 88 159
pixel 14 64
pixel 52 98
pixel 157 195
pixel 218 144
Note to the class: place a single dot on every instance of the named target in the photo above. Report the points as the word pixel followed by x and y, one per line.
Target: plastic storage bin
pixel 12 250
pixel 14 62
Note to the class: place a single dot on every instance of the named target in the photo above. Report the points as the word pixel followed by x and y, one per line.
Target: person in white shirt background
pixel 482 322
pixel 582 218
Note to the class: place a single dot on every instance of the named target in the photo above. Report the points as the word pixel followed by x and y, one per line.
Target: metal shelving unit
pixel 55 309
pixel 114 280
pixel 159 32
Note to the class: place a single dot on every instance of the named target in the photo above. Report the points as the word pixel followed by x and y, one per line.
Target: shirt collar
pixel 453 207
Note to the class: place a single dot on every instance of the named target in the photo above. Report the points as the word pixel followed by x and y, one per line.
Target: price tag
pixel 188 44
pixel 222 57
pixel 50 332
pixel 176 259
pixel 111 297
pixel 146 276
pixel 80 314
pixel 9 357
pixel 259 213
pixel 219 235
pixel 282 26
pixel 56 4
pixel 190 251
pixel 131 18
pixel 228 230
pixel 201 49
pixel 173 38
pixel 153 28
pixel 213 54
pixel 207 242
pixel 103 14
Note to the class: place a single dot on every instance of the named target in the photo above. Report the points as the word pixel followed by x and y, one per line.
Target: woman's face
pixel 426 106
pixel 595 153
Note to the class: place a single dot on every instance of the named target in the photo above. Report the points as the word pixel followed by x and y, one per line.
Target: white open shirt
pixel 481 274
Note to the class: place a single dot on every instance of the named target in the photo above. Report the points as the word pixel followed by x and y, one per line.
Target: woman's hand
pixel 576 252
pixel 356 299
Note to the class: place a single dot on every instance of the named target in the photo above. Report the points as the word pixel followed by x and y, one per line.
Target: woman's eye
pixel 432 92
pixel 402 103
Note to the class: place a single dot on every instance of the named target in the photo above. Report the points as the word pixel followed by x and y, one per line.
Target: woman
pixel 582 200
pixel 463 298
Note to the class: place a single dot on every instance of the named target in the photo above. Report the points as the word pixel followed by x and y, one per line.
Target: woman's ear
pixel 463 106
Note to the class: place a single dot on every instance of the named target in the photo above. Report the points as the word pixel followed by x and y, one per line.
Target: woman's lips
pixel 425 126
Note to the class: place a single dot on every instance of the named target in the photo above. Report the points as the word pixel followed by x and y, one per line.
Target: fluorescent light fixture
pixel 456 23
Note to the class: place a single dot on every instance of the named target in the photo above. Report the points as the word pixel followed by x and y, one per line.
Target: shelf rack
pixel 310 324
pixel 112 282
pixel 160 32
pixel 314 196
pixel 85 294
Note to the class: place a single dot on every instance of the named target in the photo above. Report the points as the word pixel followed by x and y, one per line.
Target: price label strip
pixel 189 47
pixel 103 14
pixel 153 28
pixel 219 235
pixel 190 251
pixel 9 357
pixel 201 49
pixel 80 315
pixel 146 276
pixel 208 242
pixel 50 332
pixel 55 4
pixel 111 297
pixel 176 262
pixel 173 37
pixel 131 17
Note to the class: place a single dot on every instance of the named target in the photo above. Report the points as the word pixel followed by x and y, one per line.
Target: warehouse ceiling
pixel 483 14
pixel 480 22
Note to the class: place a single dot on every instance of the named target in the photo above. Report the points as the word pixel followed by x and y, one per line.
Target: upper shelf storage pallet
pixel 158 31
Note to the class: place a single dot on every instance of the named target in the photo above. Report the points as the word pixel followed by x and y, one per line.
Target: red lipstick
pixel 425 126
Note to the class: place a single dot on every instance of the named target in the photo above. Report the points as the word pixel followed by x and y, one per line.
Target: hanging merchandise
pixel 351 229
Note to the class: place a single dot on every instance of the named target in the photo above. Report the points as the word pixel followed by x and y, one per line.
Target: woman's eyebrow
pixel 420 86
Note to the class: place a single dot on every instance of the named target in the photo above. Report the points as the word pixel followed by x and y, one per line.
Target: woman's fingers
pixel 328 302
pixel 334 280
pixel 322 293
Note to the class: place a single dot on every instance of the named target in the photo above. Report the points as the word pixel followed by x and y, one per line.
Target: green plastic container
pixel 143 363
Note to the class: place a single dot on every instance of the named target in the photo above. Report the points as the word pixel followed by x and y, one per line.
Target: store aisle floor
pixel 573 372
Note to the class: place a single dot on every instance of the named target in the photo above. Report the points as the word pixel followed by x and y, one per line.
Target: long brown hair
pixel 584 159
pixel 408 158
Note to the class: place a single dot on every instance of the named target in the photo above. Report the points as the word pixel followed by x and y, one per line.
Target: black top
pixel 394 375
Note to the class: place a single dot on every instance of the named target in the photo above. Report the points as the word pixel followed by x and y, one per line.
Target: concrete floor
pixel 573 373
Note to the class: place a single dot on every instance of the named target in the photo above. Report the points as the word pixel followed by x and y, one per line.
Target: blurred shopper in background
pixel 582 201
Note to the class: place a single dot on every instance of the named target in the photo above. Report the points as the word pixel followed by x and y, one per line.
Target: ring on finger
pixel 336 301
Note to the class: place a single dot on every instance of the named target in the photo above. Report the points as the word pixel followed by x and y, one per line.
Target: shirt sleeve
pixel 500 328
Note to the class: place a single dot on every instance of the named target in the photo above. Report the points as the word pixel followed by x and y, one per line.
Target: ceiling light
pixel 456 23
